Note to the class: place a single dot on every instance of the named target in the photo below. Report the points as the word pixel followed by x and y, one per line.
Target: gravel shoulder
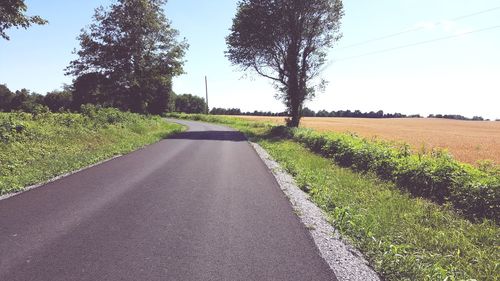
pixel 347 262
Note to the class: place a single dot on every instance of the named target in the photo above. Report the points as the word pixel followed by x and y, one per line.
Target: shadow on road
pixel 211 135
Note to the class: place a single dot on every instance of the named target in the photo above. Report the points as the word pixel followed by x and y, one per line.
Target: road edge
pixel 56 178
pixel 346 262
pixel 41 184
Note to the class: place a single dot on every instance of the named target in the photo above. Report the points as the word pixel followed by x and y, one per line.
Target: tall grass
pixel 404 238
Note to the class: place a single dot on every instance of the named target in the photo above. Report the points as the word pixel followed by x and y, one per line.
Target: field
pixel 467 141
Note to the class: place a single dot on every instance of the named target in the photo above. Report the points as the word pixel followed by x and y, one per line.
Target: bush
pixel 435 176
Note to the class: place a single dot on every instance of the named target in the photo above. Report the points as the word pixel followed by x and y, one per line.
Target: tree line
pixel 457 117
pixel 306 112
pixel 64 100
pixel 27 101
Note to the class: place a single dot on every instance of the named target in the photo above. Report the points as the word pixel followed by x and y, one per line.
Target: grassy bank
pixel 404 237
pixel 37 147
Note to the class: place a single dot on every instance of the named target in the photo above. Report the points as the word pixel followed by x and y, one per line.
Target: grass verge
pixel 37 147
pixel 403 237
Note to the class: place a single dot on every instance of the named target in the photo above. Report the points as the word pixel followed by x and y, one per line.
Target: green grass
pixel 403 237
pixel 36 148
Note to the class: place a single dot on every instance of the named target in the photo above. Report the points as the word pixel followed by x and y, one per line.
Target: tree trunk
pixel 293 91
pixel 295 118
pixel 294 106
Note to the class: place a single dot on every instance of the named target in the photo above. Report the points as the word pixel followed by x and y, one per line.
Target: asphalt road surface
pixel 198 206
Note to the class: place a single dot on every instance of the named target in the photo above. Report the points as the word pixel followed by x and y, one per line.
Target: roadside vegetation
pixel 35 147
pixel 473 192
pixel 406 233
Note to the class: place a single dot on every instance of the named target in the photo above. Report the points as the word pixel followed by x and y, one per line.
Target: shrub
pixel 436 176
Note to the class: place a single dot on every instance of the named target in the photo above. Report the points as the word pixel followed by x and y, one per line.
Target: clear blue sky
pixel 460 75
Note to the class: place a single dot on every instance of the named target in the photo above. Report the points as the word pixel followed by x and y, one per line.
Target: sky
pixel 401 73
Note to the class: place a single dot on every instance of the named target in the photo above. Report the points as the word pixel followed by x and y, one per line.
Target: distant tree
pixel 24 100
pixel 188 103
pixel 456 117
pixel 322 113
pixel 306 112
pixel 58 100
pixel 218 111
pixel 414 116
pixel 19 99
pixel 229 111
pixel 287 42
pixel 5 98
pixel 234 111
pixel 128 56
pixel 12 14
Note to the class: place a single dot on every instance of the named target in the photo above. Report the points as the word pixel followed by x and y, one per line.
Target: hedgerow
pixel 436 176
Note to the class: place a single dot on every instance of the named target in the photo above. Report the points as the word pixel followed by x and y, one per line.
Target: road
pixel 198 206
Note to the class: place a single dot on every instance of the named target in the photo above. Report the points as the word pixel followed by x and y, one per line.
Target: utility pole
pixel 206 93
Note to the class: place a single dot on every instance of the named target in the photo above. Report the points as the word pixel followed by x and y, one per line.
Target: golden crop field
pixel 467 141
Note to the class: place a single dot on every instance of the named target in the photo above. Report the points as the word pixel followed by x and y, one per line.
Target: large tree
pixel 128 56
pixel 286 41
pixel 12 14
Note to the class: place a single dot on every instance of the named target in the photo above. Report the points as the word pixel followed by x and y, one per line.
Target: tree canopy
pixel 286 41
pixel 127 57
pixel 188 103
pixel 12 14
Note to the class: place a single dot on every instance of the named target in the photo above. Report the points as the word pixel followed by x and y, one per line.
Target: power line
pixel 414 44
pixel 417 29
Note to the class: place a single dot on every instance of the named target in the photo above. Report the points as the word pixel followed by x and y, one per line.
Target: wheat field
pixel 467 141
